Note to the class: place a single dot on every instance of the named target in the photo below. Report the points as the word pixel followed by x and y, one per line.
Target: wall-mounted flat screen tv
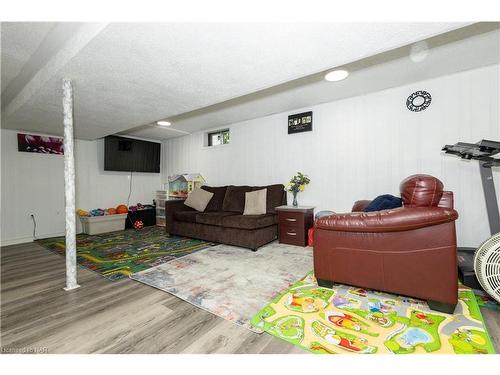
pixel 131 155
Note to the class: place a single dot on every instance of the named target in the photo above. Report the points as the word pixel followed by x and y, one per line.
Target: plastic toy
pixel 138 224
pixel 82 212
pixel 138 206
pixel 121 209
pixel 111 211
pixel 97 212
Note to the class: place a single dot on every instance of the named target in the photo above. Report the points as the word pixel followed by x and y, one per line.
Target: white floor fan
pixel 481 267
pixel 487 266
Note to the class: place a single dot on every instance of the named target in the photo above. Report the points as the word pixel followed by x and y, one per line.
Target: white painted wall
pixel 34 183
pixel 362 147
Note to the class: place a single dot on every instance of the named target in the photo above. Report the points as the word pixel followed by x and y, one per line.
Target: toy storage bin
pixel 161 194
pixel 103 224
pixel 160 203
pixel 160 221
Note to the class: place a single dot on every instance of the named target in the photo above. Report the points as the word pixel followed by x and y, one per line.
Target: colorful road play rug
pixel 116 255
pixel 484 300
pixel 231 282
pixel 352 320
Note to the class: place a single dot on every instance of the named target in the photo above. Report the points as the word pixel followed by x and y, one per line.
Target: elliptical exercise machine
pixel 470 262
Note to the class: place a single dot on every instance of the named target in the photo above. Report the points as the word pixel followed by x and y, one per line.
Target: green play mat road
pixel 347 319
pixel 116 255
pixel 484 300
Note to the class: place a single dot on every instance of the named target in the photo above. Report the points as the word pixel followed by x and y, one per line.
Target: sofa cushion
pixel 255 202
pixel 198 199
pixel 234 200
pixel 274 196
pixel 186 216
pixel 215 203
pixel 212 218
pixel 249 221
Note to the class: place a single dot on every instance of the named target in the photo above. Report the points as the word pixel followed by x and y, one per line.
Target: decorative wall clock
pixel 418 101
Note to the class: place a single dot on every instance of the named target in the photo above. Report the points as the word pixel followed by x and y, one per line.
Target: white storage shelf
pixel 161 194
pixel 161 197
pixel 160 221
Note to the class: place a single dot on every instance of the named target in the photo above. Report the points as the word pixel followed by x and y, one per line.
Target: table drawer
pixel 291 218
pixel 292 234
pixel 294 223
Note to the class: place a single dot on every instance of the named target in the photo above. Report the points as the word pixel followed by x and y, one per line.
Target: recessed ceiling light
pixel 419 51
pixel 163 123
pixel 336 75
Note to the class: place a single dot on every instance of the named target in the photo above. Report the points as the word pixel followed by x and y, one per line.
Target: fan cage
pixel 487 266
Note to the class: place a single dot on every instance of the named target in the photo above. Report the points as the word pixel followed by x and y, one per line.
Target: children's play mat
pixel 116 255
pixel 352 320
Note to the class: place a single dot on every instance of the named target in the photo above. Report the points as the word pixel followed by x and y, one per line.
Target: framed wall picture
pixel 300 122
pixel 40 144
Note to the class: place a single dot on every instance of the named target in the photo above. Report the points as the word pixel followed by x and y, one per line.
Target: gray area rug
pixel 231 282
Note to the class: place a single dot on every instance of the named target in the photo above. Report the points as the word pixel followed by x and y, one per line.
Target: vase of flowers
pixel 297 184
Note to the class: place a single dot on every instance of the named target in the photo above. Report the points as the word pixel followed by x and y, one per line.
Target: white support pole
pixel 69 186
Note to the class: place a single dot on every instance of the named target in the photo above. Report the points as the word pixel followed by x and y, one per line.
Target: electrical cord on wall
pixel 128 198
pixel 129 190
pixel 34 226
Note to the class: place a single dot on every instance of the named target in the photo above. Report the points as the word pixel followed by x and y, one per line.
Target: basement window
pixel 219 137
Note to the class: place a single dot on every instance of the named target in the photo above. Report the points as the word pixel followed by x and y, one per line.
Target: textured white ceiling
pixel 396 69
pixel 129 75
pixel 19 41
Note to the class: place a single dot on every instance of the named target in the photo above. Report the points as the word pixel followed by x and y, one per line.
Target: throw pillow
pixel 255 202
pixel 198 199
pixel 384 202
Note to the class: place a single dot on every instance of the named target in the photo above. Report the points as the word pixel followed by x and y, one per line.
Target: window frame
pixel 220 132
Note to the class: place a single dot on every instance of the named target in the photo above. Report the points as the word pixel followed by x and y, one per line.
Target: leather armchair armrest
pixel 395 220
pixel 171 206
pixel 446 200
pixel 359 206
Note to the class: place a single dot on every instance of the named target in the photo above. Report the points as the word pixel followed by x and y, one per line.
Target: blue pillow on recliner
pixel 384 202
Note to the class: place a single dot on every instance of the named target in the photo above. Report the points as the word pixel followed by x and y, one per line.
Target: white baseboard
pixel 16 241
pixel 27 239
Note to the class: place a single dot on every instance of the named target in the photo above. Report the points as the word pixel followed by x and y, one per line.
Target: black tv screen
pixel 131 155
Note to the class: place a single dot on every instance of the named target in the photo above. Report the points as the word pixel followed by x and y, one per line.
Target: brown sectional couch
pixel 223 220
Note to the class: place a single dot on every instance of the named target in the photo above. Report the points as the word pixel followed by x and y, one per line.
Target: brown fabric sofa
pixel 223 220
pixel 409 250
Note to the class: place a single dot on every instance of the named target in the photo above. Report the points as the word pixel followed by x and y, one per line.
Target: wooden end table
pixel 294 222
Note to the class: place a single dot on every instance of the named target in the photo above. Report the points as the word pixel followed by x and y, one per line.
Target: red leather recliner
pixel 409 250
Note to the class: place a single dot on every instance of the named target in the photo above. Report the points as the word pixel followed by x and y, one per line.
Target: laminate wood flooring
pixel 107 317
pixel 116 317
